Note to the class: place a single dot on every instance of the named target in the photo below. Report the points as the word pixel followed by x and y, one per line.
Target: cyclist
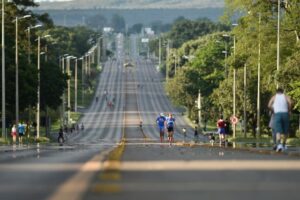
pixel 160 121
pixel 170 121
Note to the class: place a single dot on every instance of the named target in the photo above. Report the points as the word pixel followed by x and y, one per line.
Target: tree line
pixel 72 41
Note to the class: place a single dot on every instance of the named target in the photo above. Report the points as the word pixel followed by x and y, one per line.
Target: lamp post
pixel 159 52
pixel 3 72
pixel 63 96
pixel 75 102
pixel 278 38
pixel 68 91
pixel 82 80
pixel 167 66
pixel 39 86
pixel 258 76
pixel 226 54
pixel 29 41
pixel 69 86
pixel 17 67
pixel 234 83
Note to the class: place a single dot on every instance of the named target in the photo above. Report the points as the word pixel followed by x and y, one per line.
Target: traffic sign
pixel 234 120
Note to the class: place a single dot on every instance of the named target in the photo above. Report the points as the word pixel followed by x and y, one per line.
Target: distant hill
pixel 132 4
pixel 74 17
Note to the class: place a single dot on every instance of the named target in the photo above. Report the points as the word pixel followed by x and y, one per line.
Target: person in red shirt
pixel 221 129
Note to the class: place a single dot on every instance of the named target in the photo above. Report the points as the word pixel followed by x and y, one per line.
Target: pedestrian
pixel 161 124
pixel 221 129
pixel 14 133
pixel 170 124
pixel 21 131
pixel 281 105
pixel 196 135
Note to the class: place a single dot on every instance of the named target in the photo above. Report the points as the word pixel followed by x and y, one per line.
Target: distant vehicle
pixel 128 64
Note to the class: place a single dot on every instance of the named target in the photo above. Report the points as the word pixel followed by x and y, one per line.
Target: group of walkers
pixel 110 100
pixel 22 130
pixel 166 123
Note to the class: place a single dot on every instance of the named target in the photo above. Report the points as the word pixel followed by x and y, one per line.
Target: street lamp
pixel 278 38
pixel 29 41
pixel 39 86
pixel 17 67
pixel 82 80
pixel 75 102
pixel 62 63
pixel 258 76
pixel 69 86
pixel 226 54
pixel 3 71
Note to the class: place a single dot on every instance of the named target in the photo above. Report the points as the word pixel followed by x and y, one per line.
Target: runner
pixel 221 130
pixel 160 121
pixel 170 121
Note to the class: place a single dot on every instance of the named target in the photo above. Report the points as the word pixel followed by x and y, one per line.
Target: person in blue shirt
pixel 170 121
pixel 161 121
pixel 21 131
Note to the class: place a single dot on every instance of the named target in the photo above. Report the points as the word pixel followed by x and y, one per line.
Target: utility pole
pixel 69 89
pixel 167 66
pixel 159 51
pixel 3 73
pixel 278 39
pixel 245 96
pixel 234 87
pixel 258 78
pixel 75 104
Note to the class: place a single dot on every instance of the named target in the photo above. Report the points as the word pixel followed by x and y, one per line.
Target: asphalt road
pixel 146 169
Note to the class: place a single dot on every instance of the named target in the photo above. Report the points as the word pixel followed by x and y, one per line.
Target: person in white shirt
pixel 281 105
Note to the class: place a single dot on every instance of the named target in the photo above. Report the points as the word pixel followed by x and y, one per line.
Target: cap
pixel 161 114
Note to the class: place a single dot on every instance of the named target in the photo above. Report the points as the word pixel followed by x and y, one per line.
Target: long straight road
pixel 145 167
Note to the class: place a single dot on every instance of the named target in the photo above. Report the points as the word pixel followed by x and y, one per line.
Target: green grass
pixel 251 139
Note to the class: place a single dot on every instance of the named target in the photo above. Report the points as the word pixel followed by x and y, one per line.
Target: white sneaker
pixel 279 148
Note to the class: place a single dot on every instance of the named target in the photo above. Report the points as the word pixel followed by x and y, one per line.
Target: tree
pixel 136 29
pixel 97 22
pixel 118 23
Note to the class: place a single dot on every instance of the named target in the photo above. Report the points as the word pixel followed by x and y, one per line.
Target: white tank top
pixel 280 104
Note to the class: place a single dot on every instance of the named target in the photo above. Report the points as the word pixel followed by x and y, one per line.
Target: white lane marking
pixel 207 165
pixel 40 167
pixel 210 186
pixel 75 187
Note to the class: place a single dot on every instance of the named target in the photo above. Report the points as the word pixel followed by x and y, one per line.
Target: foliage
pixel 255 45
pixel 136 29
pixel 118 23
pixel 97 22
pixel 53 81
pixel 184 30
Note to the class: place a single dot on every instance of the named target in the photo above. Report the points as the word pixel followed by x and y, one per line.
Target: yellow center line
pixel 75 187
